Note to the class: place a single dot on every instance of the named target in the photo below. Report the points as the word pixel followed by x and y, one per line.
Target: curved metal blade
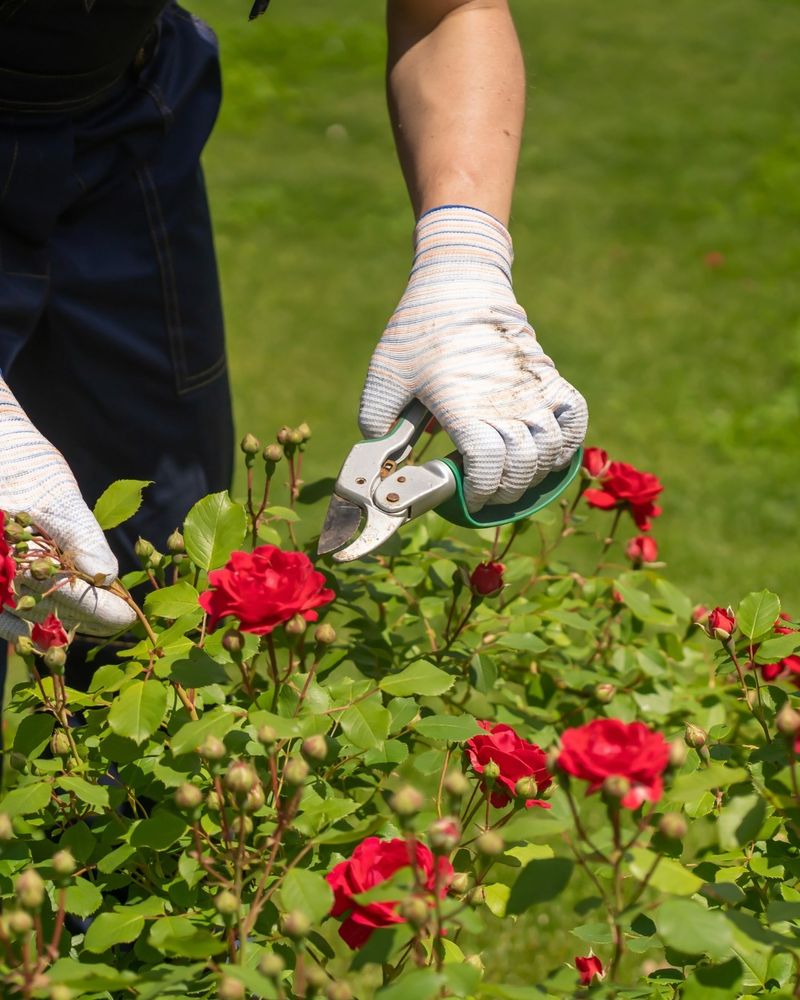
pixel 341 523
pixel 376 531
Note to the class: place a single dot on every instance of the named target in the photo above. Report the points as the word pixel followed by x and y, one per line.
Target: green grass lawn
pixel 657 134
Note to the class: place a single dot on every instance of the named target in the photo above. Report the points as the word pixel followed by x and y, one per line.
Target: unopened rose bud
pixel 6 828
pixel 42 569
pixel 143 548
pixel 30 889
pixel 61 992
pixel 414 910
pixel 325 634
pixel 491 772
pixel 24 645
pixel 226 903
pixel 267 735
pixel 188 796
pixel 477 896
pixel 339 990
pixel 305 431
pixel 641 549
pixel 250 444
pixel 24 518
pixel 315 747
pixel 604 693
pixel 273 453
pixel 616 787
pixel 295 771
pixel 26 603
pixel 490 843
pixel 59 744
pixel 212 748
pixel 526 788
pixel 176 543
pixel 673 825
pixel 63 864
pixel 460 883
pixel 476 962
pixel 407 801
pixel 255 799
pixel 295 925
pixel 16 533
pixel 20 922
pixel 233 641
pixel 296 625
pixel 271 965
pixel 694 736
pixel 283 435
pixel 230 989
pixel 54 659
pixel 486 580
pixel 720 624
pixel 699 614
pixel 444 834
pixel 240 778
pixel 456 784
pixel 787 721
pixel 295 436
pixel 677 753
pixel 213 801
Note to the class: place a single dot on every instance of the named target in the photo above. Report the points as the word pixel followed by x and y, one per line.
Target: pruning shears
pixel 376 488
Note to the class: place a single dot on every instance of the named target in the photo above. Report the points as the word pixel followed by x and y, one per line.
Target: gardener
pixel 111 333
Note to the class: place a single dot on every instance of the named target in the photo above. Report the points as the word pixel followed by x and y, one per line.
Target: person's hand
pixel 459 342
pixel 35 479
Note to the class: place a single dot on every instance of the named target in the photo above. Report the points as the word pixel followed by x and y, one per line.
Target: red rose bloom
pixel 8 568
pixel 607 748
pixel 264 589
pixel 487 578
pixel 595 462
pixel 786 669
pixel 626 487
pixel 49 633
pixel 720 624
pixel 372 862
pixel 516 758
pixel 641 549
pixel 589 966
pixel 780 628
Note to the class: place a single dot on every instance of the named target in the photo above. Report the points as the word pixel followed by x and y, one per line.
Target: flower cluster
pixel 515 759
pixel 621 487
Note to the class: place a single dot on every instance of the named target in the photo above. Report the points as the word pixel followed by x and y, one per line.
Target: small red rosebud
pixel 49 634
pixel 779 627
pixel 699 614
pixel 641 549
pixel 486 580
pixel 588 967
pixel 720 624
pixel 714 259
pixel 595 462
pixel 617 597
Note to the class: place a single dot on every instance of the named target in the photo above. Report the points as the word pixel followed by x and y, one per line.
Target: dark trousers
pixel 111 332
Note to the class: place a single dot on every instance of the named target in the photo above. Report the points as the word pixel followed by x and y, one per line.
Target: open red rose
pixel 720 623
pixel 786 669
pixel 595 462
pixel 641 549
pixel 624 486
pixel 487 578
pixel 517 758
pixel 265 588
pixel 8 568
pixel 780 628
pixel 606 748
pixel 49 633
pixel 588 967
pixel 372 862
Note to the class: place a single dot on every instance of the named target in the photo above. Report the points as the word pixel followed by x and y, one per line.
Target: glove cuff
pixel 459 238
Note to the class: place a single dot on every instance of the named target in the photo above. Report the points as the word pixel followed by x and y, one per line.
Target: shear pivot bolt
pixel 392 497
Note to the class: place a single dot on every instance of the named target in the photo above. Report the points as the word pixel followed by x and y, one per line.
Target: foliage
pixel 168 832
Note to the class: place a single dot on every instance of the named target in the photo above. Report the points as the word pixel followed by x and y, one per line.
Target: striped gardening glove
pixel 459 342
pixel 35 479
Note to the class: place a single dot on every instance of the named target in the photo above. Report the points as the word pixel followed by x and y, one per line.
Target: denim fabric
pixel 111 331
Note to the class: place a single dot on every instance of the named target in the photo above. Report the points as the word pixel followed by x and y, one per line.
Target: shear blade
pixel 341 523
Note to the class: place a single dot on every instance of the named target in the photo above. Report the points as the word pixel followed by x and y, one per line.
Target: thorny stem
pixel 758 714
pixel 609 538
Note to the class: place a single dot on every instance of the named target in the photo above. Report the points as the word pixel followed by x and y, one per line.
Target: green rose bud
pixel 29 888
pixel 23 518
pixel 226 903
pixel 63 864
pixel 42 569
pixel 305 431
pixel 143 548
pixel 176 543
pixel 26 603
pixel 230 989
pixel 250 444
pixel 61 992
pixel 490 843
pixel 212 748
pixel 213 801
pixel 525 788
pixel 255 799
pixel 296 625
pixel 673 825
pixel 283 435
pixel 787 721
pixel 233 641
pixel 616 787
pixel 339 990
pixel 6 828
pixel 240 778
pixel 55 659
pixel 414 910
pixel 604 693
pixel 60 745
pixel 460 883
pixel 694 736
pixel 273 453
pixel 20 922
pixel 325 634
pixel 456 784
pixel 407 801
pixel 491 772
pixel 295 771
pixel 271 965
pixel 267 736
pixel 188 796
pixel 677 753
pixel 444 834
pixel 315 747
pixel 295 925
pixel 24 645
pixel 296 436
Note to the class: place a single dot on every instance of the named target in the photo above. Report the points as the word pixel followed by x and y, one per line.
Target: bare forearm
pixel 456 92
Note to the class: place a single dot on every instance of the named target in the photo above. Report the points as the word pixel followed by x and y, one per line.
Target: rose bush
pixel 296 780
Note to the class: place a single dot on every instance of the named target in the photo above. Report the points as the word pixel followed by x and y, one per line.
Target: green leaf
pixel 85 792
pixel 87 976
pixel 419 984
pixel 214 527
pixel 687 787
pixel 539 882
pixel 308 892
pixel 453 728
pixel 122 926
pixel 421 678
pixel 179 936
pixel 159 831
pixel 526 641
pixel 714 982
pixel 284 513
pixel 192 734
pixel 171 602
pixel 83 897
pixel 757 612
pixel 33 734
pixel 366 723
pixel 198 670
pixel 138 711
pixel 26 799
pixel 668 876
pixel 119 502
pixel 772 650
pixel 692 929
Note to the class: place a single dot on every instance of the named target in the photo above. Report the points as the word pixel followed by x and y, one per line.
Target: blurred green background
pixel 656 226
